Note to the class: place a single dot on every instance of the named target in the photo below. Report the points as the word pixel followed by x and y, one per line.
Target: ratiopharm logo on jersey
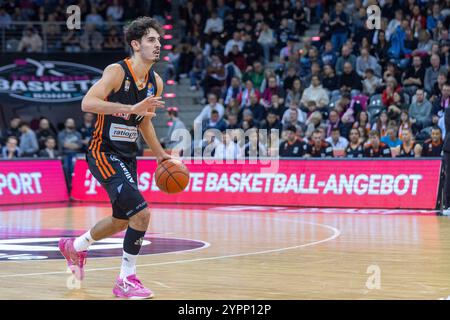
pixel 121 132
pixel 33 181
pixel 47 81
pixel 380 184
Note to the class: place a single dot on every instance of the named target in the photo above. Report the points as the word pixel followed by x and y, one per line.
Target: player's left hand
pixel 163 157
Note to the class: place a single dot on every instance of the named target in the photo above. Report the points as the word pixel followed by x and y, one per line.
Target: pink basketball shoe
pixel 131 288
pixel 75 260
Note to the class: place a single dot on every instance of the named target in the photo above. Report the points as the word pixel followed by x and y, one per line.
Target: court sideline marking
pixel 336 233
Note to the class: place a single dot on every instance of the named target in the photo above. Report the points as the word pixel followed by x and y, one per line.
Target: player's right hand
pixel 147 106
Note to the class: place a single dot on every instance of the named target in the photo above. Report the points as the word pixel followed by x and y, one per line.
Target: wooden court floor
pixel 221 252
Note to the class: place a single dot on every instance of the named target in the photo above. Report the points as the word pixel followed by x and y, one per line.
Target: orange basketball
pixel 171 176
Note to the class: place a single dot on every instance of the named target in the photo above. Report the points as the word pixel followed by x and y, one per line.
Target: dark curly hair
pixel 140 27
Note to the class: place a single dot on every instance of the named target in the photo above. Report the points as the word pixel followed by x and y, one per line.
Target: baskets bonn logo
pixel 47 81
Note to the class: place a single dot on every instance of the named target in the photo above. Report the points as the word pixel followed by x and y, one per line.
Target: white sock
pixel 83 242
pixel 128 265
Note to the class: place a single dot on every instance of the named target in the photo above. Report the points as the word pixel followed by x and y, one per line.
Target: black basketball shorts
pixel 119 178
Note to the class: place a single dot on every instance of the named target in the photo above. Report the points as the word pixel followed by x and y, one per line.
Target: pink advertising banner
pixel 406 184
pixel 32 181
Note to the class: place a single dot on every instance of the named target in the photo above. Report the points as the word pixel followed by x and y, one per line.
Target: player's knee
pixel 119 224
pixel 141 219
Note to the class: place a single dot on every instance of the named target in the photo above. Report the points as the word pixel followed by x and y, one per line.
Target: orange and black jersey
pixel 116 134
pixel 292 149
pixel 406 154
pixel 383 151
pixel 357 152
pixel 430 149
pixel 325 150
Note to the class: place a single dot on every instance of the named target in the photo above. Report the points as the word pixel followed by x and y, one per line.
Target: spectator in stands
pixel 362 121
pixel 315 92
pixel 334 122
pixel 315 70
pixel 381 124
pixel 113 41
pixel 381 49
pixel 228 148
pixel 248 121
pixel 438 86
pixel 325 28
pixel 215 122
pixel 71 41
pixel 339 25
pixel 115 11
pixel 44 131
pixel 213 104
pixel 346 56
pixel 11 150
pixel 336 141
pixel 50 149
pixel 198 70
pixel 301 116
pixel 237 57
pixel 244 97
pixel 185 62
pixel 233 91
pixel 366 61
pixel 295 93
pixel 350 81
pixel 328 56
pixel 292 146
pixel 91 39
pixel 94 18
pixel 28 141
pixel 255 74
pixel 414 76
pixel 174 124
pixel 318 147
pixel 236 40
pixel 388 93
pixel 420 111
pixel 432 73
pixel 409 148
pixel 258 111
pixel 330 82
pixel 251 50
pixel 267 40
pixel 214 25
pixel 255 147
pixel 31 41
pixel 69 144
pixel 87 128
pixel 391 138
pixel 443 101
pixel 13 129
pixel 371 83
pixel 232 121
pixel 271 122
pixel 405 122
pixel 355 148
pixel 394 24
pixel 376 148
pixel 313 122
pixel 5 19
pixel 215 76
pixel 433 147
pixel 271 89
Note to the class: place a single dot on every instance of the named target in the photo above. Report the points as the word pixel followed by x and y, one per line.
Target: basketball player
pixel 124 99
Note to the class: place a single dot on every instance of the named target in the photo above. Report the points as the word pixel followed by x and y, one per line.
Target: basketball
pixel 172 176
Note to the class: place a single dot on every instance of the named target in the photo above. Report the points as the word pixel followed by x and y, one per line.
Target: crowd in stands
pixel 347 90
pixel 102 23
